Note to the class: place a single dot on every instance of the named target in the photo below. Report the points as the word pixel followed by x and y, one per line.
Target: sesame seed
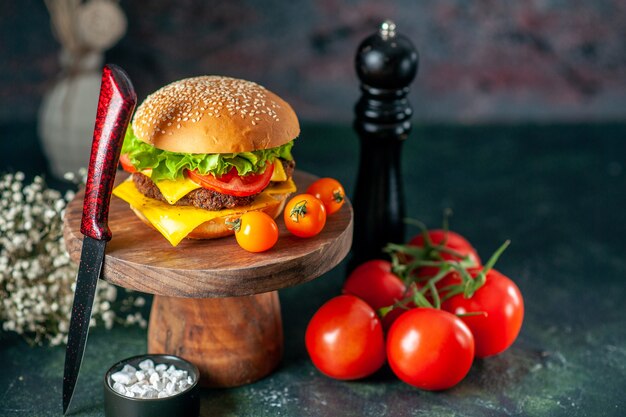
pixel 194 98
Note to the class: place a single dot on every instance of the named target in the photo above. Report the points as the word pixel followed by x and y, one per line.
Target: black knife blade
pixel 115 107
pixel 89 270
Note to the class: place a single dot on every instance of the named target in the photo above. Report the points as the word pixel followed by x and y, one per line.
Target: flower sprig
pixel 37 277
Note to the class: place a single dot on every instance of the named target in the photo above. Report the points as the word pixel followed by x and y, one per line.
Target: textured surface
pixel 480 60
pixel 556 191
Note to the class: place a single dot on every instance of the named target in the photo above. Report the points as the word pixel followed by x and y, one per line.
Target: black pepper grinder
pixel 386 63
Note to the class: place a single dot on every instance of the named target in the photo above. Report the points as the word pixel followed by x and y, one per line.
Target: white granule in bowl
pixel 150 381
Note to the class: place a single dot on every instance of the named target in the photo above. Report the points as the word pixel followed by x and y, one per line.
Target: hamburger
pixel 202 151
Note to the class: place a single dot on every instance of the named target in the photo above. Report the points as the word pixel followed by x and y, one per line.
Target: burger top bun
pixel 212 114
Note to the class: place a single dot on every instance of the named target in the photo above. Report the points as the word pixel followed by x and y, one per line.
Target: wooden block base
pixel 233 341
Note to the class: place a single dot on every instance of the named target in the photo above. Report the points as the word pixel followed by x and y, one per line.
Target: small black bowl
pixel 184 404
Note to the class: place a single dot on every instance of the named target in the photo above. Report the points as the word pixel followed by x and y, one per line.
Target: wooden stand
pixel 229 349
pixel 215 304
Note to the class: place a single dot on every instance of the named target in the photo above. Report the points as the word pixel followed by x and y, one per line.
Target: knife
pixel 115 106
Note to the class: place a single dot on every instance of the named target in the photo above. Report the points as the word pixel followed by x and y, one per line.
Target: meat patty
pixel 201 198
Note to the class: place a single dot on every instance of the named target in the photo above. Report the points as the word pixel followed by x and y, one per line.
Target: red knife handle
pixel 115 107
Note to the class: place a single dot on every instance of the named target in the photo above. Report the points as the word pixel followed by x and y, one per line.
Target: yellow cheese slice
pixel 174 190
pixel 283 187
pixel 176 222
pixel 279 173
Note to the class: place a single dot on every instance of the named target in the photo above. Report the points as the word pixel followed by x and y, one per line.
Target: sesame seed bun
pixel 212 114
pixel 217 227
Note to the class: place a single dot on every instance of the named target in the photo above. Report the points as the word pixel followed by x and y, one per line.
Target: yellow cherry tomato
pixel 305 215
pixel 330 192
pixel 255 231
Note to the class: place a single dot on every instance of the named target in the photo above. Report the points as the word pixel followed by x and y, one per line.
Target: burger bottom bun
pixel 217 227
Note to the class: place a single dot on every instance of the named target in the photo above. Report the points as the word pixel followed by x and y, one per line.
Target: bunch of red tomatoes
pixel 304 216
pixel 428 313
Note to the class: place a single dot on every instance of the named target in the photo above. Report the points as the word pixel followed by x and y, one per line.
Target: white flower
pixel 37 279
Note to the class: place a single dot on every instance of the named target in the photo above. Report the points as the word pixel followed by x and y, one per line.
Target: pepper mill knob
pixel 386 59
pixel 386 63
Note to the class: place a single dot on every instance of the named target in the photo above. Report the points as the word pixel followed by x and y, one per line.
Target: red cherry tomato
pixel 453 241
pixel 330 191
pixel 390 318
pixel 503 305
pixel 126 164
pixel 256 231
pixel 375 284
pixel 305 215
pixel 345 339
pixel 233 184
pixel 430 349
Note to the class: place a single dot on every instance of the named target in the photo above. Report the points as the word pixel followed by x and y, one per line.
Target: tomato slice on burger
pixel 126 164
pixel 233 184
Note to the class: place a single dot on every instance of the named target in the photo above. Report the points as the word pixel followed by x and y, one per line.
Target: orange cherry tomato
pixel 331 193
pixel 305 215
pixel 255 231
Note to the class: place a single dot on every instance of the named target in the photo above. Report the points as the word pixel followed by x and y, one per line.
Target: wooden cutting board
pixel 139 258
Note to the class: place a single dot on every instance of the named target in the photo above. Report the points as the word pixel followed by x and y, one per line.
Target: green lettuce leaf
pixel 167 165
